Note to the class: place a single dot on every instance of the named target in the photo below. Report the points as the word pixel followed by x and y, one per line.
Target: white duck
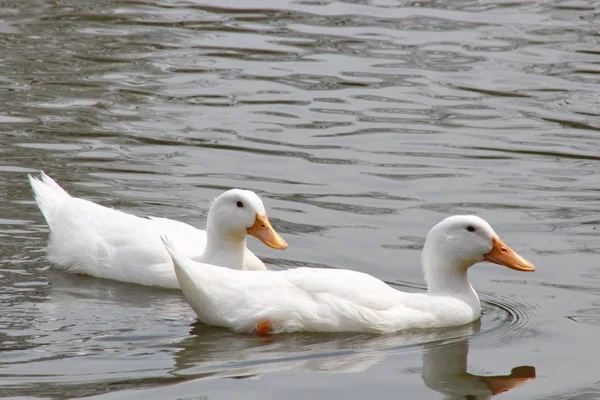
pixel 90 239
pixel 312 299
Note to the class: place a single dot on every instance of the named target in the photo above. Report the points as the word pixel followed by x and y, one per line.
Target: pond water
pixel 361 124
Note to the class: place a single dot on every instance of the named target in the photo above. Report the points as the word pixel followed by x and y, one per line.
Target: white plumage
pixel 88 238
pixel 312 299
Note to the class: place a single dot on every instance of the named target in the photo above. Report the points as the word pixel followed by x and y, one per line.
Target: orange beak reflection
pixel 263 231
pixel 504 255
pixel 505 383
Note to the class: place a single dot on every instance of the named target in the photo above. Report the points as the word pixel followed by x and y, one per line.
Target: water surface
pixel 361 125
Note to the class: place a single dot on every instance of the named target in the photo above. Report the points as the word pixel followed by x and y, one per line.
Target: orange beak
pixel 263 231
pixel 504 255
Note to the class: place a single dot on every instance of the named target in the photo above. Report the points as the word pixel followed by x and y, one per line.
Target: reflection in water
pixel 215 352
pixel 218 352
pixel 445 371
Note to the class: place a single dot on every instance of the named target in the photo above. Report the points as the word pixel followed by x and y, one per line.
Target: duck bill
pixel 263 231
pixel 504 255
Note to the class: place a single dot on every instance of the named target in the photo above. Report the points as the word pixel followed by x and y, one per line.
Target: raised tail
pixel 183 270
pixel 179 260
pixel 48 196
pixel 169 246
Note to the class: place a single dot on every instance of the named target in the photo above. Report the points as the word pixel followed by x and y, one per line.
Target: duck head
pixel 237 212
pixel 460 241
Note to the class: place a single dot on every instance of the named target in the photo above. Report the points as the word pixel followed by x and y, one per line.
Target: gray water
pixel 361 124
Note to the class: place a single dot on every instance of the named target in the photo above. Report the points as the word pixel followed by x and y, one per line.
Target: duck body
pixel 312 299
pixel 91 239
pixel 332 300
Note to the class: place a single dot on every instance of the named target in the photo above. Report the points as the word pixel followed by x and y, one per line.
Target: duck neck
pixel 222 248
pixel 446 276
pixel 448 282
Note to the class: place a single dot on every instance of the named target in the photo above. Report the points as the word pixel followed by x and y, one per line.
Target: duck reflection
pixel 215 352
pixel 445 371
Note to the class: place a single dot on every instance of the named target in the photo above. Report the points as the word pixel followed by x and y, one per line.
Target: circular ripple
pixel 504 319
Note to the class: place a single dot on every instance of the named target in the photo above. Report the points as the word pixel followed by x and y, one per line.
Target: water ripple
pixel 361 124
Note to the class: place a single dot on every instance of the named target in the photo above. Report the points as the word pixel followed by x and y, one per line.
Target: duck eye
pixel 470 228
pixel 239 204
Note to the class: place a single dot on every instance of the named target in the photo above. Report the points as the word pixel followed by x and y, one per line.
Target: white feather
pixel 313 299
pixel 91 239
